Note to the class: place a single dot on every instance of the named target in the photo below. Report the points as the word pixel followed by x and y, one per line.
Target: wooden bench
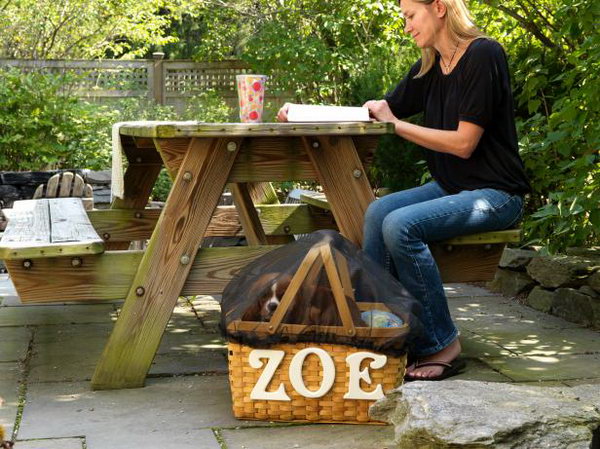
pixel 468 258
pixel 44 228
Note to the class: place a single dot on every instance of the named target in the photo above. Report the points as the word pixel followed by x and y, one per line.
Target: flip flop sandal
pixel 450 369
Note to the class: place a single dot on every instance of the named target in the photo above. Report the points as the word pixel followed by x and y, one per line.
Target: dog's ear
pixel 252 313
pixel 283 282
pixel 260 284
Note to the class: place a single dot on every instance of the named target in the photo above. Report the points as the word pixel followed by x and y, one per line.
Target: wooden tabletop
pixel 201 129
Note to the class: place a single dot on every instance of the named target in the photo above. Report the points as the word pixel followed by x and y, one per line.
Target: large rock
pixel 560 271
pixel 511 283
pixel 594 281
pixel 573 306
pixel 593 252
pixel 516 259
pixel 98 177
pixel 477 415
pixel 540 299
pixel 8 195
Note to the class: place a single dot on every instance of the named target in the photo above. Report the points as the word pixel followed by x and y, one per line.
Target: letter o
pixel 296 373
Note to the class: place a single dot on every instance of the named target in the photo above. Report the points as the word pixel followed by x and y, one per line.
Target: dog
pixel 313 305
pixel 266 291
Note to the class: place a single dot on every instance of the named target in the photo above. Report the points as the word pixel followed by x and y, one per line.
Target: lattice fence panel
pixel 185 80
pixel 95 78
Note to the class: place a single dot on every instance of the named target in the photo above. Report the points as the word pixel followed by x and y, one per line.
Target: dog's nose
pixel 272 306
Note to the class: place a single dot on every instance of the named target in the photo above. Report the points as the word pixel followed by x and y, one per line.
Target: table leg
pixel 253 230
pixel 138 180
pixel 342 175
pixel 166 262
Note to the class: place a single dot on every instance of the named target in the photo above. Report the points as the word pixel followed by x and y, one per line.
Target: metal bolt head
pixel 187 176
pixel 185 259
pixel 76 262
pixel 286 229
pixel 140 291
pixel 27 264
pixel 138 215
pixel 106 236
pixel 231 146
pixel 316 144
pixel 357 173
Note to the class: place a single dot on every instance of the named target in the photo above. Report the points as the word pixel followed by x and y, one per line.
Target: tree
pixel 554 51
pixel 41 29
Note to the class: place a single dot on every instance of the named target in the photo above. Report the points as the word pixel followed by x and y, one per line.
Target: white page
pixel 321 113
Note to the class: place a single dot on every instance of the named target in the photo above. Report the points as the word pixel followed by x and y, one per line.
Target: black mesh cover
pixel 382 312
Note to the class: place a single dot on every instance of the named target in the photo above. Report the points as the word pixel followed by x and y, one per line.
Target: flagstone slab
pixel 476 370
pixel 208 310
pixel 474 346
pixel 54 443
pixel 175 412
pixel 7 288
pixel 14 343
pixel 457 290
pixel 316 436
pixel 10 301
pixel 67 353
pixel 10 374
pixel 535 341
pixel 70 353
pixel 547 368
pixel 186 363
pixel 41 315
pixel 479 313
pixel 188 348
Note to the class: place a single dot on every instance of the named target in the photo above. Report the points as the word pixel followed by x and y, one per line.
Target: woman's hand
pixel 282 114
pixel 380 110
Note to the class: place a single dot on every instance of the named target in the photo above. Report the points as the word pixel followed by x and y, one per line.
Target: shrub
pixel 44 126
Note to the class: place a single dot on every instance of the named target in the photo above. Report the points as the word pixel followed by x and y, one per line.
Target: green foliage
pixel 318 52
pixel 84 28
pixel 43 126
pixel 336 52
pixel 206 106
pixel 209 107
pixel 554 51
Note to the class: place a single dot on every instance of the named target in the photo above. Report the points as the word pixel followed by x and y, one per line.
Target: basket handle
pixel 293 288
pixel 340 287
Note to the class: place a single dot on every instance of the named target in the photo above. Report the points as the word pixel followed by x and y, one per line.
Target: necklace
pixel 447 66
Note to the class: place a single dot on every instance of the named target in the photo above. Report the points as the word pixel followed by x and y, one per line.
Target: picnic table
pixel 51 261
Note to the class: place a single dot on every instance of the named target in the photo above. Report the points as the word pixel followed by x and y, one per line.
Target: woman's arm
pixel 461 142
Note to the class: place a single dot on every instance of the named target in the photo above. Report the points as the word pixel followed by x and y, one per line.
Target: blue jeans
pixel 402 224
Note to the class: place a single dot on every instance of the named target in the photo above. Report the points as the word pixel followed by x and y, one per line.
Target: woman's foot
pixel 423 370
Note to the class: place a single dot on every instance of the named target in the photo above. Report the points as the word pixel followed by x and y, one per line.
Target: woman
pixel 462 86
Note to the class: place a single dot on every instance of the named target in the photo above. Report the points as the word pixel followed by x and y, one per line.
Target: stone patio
pixel 48 353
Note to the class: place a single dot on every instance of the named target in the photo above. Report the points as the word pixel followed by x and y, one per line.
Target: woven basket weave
pixel 330 408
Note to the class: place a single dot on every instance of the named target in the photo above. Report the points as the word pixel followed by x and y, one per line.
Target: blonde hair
pixel 460 28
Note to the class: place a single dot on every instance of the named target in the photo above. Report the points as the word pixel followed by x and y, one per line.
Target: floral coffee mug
pixel 251 95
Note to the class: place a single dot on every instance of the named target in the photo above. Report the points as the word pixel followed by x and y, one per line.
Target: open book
pixel 318 113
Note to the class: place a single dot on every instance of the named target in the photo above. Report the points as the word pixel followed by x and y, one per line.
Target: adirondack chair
pixel 64 185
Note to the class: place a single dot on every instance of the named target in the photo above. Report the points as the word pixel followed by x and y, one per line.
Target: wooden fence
pixel 168 82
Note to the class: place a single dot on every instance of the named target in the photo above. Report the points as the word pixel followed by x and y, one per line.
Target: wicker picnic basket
pixel 332 406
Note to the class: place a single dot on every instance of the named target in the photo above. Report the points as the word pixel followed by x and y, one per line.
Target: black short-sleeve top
pixel 478 91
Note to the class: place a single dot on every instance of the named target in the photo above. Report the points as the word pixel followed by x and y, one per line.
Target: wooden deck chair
pixel 66 184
